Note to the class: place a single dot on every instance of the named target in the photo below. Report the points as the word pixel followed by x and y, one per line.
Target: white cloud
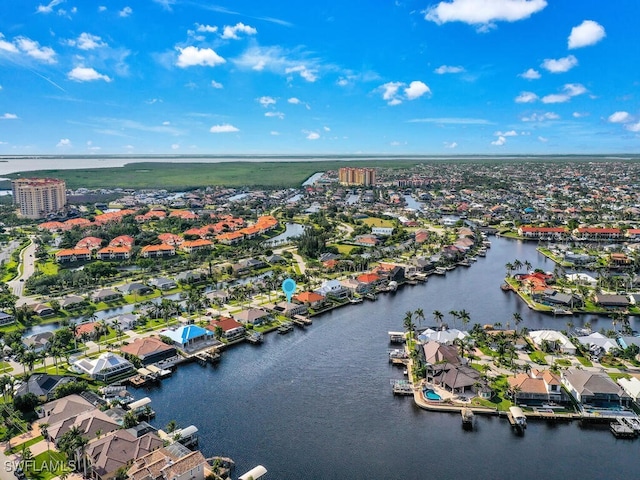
pixel 499 141
pixel 442 69
pixel 276 60
pixel 619 117
pixel 86 74
pixel 266 101
pixel 87 41
pixel 274 133
pixel 175 146
pixel 230 32
pixel 541 117
pixel 633 127
pixel 326 129
pixel 585 34
pixel 34 50
pixel 451 145
pixel 102 8
pixel 580 114
pixel 312 135
pixel 206 28
pixel 194 56
pixel 64 143
pixel 526 97
pixel 215 84
pixel 483 13
pixel 9 116
pixel 125 12
pixel 7 46
pixel 390 92
pixel 279 115
pixel 543 139
pixel 224 128
pixel 294 100
pixel 560 65
pixel 510 133
pixel 569 90
pixel 531 74
pixel 308 75
pixel 166 4
pixel 416 89
pixel 49 7
pixel 166 123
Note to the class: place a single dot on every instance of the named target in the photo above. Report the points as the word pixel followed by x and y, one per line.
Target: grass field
pixel 177 176
pixel 377 222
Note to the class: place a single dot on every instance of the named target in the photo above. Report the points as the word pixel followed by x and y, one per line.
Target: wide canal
pixel 317 403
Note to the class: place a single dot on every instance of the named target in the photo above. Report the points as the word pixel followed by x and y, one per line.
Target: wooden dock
pixel 210 356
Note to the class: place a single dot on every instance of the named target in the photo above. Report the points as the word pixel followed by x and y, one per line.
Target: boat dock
pixel 301 320
pixel 621 429
pixel 517 418
pixel 402 387
pixel 467 418
pixel 255 338
pixel 397 337
pixel 285 328
pixel 208 356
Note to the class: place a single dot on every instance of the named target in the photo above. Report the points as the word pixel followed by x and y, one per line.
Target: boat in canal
pixel 467 418
pixel 285 328
pixel 256 338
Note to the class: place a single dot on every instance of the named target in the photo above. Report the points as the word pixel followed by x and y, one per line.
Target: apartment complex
pixel 38 197
pixel 357 176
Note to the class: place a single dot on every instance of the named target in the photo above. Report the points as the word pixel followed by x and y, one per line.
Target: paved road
pixel 26 269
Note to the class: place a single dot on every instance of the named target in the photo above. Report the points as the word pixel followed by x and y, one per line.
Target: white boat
pixel 519 420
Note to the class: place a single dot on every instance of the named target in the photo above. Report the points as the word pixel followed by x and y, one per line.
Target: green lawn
pixel 615 376
pixel 48 465
pixel 344 249
pixel 538 357
pixel 17 448
pixel 377 222
pixel 585 362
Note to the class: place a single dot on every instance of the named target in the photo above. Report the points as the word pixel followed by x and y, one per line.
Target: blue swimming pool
pixel 431 395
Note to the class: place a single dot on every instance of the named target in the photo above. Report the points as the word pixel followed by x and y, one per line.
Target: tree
pixel 438 316
pixel 408 322
pixel 45 433
pixel 419 313
pixel 517 318
pixel 130 420
pixel 172 426
pixel 455 315
pixel 465 317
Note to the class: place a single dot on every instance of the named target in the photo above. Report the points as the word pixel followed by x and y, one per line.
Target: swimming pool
pixel 431 395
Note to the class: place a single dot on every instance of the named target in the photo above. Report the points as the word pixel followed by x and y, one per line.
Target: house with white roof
pixel 631 386
pixel 104 368
pixel 597 340
pixel 445 337
pixel 556 340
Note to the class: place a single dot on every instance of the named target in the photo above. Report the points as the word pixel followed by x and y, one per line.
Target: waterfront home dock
pixel 285 328
pixel 517 418
pixel 402 387
pixel 467 418
pixel 207 356
pixel 301 320
pixel 621 430
pixel 397 337
pixel 255 338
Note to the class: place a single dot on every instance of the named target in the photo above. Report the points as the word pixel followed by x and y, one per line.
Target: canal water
pixel 317 403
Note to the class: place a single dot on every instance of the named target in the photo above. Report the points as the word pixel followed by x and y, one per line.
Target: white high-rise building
pixel 38 197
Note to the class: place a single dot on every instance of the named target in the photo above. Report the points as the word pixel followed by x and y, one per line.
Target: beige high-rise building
pixel 357 176
pixel 38 197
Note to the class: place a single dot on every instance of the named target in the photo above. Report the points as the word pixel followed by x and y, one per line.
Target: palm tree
pixel 509 267
pixel 101 328
pixel 438 316
pixel 408 322
pixel 517 318
pixel 465 317
pixel 45 433
pixel 172 426
pixel 419 313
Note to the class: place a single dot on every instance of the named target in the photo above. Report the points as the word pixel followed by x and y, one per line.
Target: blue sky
pixel 331 77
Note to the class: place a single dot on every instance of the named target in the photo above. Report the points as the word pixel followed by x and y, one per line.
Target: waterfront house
pixel 554 340
pixel 163 283
pixel 598 234
pixel 578 259
pixel 173 462
pixel 290 309
pixel 611 301
pixel 105 368
pixel 221 296
pixel 435 353
pixel 135 288
pixel 126 321
pixel 354 286
pixel 86 329
pixel 631 386
pixel 189 337
pixel 537 387
pixel 191 276
pixel 231 329
pixel 594 388
pixel 112 452
pixel 370 280
pixel 253 316
pixel 63 408
pixel 42 310
pixel 72 302
pixel 334 289
pixel 445 337
pixel 105 295
pixel 89 423
pixel 310 299
pixel 543 233
pixel 552 297
pixel 150 350
pixel 454 377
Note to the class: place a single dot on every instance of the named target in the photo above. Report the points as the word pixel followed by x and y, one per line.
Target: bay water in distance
pixel 317 403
